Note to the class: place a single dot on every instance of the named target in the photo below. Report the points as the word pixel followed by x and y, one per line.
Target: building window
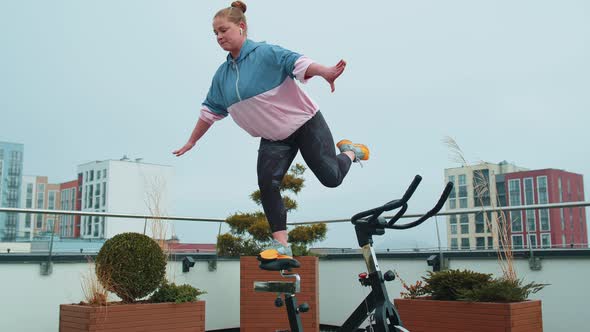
pixel 96 227
pixel 454 244
pixel 529 198
pixel 481 187
pixel 104 173
pixel 102 227
pixel 104 193
pixel 543 199
pixel 453 194
pixel 465 243
pixel 453 223
pixel 480 243
pixel 516 221
pixel 91 175
pixel 546 240
pixel 544 216
pixel 490 242
pixel 516 241
pixel 463 203
pixel 90 191
pixel 530 221
pixel 50 224
pixel 514 197
pixel 464 220
pixel 481 221
pixel 51 200
pixel 532 240
pixel 462 191
pixel 40 200
pixel 88 225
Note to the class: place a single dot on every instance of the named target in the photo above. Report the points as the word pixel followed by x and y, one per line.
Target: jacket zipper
pixel 237 79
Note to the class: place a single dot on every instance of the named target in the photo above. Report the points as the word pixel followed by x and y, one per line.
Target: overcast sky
pixel 94 80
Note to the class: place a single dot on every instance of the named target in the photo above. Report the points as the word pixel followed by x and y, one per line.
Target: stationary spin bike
pixel 382 315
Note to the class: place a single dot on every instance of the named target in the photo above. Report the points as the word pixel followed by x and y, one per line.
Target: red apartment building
pixel 69 201
pixel 546 228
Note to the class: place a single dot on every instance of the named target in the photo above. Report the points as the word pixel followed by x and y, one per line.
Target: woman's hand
pixel 330 74
pixel 183 149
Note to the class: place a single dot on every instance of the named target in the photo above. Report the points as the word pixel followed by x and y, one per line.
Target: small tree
pixel 250 232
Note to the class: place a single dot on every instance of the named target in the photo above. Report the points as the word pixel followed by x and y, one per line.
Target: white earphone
pixel 241 31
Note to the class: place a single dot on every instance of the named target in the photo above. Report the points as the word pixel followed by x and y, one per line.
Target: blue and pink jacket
pixel 259 91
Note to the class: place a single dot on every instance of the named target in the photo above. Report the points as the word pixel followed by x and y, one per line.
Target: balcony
pixel 337 272
pixel 563 269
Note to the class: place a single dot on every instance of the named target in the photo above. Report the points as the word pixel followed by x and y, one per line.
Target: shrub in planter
pixel 455 300
pixel 170 292
pixel 501 290
pixel 131 265
pixel 466 285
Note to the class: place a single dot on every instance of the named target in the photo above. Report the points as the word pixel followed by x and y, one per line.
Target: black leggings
pixel 316 144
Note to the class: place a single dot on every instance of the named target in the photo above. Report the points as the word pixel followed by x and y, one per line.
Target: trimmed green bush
pixel 131 265
pixel 177 294
pixel 446 285
pixel 501 290
pixel 466 285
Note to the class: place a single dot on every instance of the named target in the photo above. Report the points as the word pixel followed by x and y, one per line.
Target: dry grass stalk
pixel 498 224
pixel 94 292
pixel 153 200
pixel 158 227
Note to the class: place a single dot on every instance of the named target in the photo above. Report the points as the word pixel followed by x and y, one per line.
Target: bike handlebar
pixel 403 204
pixel 376 212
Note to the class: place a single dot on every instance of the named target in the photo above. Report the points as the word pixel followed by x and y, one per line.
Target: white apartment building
pixel 476 186
pixel 122 186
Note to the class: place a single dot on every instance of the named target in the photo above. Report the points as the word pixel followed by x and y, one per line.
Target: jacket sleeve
pixel 293 64
pixel 213 108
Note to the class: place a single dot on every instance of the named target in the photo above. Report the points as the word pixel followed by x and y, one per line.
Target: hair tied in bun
pixel 240 5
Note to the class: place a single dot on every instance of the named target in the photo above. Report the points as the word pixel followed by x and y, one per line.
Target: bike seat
pixel 278 264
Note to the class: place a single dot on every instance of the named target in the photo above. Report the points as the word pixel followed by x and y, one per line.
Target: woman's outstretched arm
pixel 330 74
pixel 200 129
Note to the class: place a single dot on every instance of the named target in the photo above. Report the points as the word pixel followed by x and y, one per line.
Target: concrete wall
pixel 15 247
pixel 30 301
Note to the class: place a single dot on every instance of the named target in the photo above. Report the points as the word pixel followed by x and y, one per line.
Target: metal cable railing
pixel 467 211
pixel 184 218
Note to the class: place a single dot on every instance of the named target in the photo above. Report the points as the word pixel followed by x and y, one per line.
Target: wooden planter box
pixel 179 317
pixel 429 315
pixel 257 310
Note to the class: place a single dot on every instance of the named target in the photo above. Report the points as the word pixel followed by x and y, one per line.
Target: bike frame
pixel 386 317
pixel 376 304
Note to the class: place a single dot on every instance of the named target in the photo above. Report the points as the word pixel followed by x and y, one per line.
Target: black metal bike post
pixel 384 309
pixel 292 313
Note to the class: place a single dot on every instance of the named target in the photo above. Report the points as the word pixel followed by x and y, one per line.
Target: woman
pixel 256 87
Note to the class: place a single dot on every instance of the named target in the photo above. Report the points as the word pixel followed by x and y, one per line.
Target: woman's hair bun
pixel 239 4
